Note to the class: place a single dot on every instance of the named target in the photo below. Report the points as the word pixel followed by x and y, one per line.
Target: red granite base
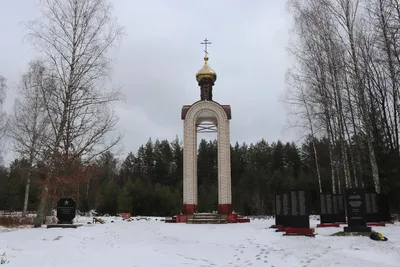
pixel 225 208
pixel 243 220
pixel 281 228
pixel 299 231
pixel 233 218
pixel 189 208
pixel 236 218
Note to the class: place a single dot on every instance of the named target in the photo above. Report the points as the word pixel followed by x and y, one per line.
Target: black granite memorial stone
pixel 322 199
pixel 335 204
pixel 372 213
pixel 340 217
pixel 278 209
pixel 66 210
pixel 286 210
pixel 356 209
pixel 384 208
pixel 299 210
pixel 327 215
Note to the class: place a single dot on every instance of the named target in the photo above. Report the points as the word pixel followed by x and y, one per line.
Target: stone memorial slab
pixel 66 210
pixel 299 214
pixel 327 215
pixel 368 205
pixel 341 215
pixel 384 207
pixel 295 203
pixel 286 204
pixel 374 203
pixel 278 209
pixel 372 213
pixel 323 204
pixel 356 209
pixel 335 204
pixel 278 204
pixel 286 209
pixel 303 205
pixel 329 204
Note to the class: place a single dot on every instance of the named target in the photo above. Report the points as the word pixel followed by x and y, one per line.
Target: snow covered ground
pixel 154 243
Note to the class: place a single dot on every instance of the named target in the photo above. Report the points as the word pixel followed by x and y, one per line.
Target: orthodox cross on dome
pixel 205 43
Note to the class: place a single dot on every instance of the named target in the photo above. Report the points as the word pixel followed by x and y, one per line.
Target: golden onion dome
pixel 206 72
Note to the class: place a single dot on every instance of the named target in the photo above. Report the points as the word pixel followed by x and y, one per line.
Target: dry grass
pixel 13 221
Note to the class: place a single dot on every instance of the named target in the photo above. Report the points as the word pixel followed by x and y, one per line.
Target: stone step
pixel 206 222
pixel 203 218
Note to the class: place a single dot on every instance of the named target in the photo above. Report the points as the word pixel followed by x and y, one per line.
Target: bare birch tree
pixel 296 98
pixel 311 55
pixel 75 37
pixel 3 115
pixel 347 51
pixel 347 12
pixel 28 125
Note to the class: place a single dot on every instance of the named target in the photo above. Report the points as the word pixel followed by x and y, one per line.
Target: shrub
pixel 17 221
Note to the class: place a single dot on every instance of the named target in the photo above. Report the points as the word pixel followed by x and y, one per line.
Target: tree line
pixel 344 87
pixel 149 182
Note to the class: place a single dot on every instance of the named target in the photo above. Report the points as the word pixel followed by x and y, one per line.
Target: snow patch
pixel 148 241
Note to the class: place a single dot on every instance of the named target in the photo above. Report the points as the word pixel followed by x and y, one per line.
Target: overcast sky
pixel 156 63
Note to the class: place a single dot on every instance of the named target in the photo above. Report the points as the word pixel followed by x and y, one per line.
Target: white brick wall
pixel 190 153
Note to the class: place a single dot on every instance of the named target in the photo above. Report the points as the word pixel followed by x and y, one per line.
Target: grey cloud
pixel 158 58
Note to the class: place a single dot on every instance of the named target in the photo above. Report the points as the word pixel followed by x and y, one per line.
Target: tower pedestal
pixel 225 208
pixel 189 208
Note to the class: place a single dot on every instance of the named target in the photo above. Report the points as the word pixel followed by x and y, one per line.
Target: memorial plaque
pixel 278 209
pixel 326 204
pixel 373 214
pixel 368 204
pixel 294 203
pixel 278 205
pixel 355 204
pixel 384 207
pixel 341 204
pixel 329 204
pixel 300 218
pixel 335 204
pixel 302 203
pixel 286 209
pixel 323 204
pixel 341 216
pixel 374 203
pixel 66 210
pixel 327 216
pixel 286 204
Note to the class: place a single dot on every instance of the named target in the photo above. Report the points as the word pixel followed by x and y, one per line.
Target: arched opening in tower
pixel 207 164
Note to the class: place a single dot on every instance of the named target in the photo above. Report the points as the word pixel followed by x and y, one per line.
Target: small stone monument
pixel 356 209
pixel 66 212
